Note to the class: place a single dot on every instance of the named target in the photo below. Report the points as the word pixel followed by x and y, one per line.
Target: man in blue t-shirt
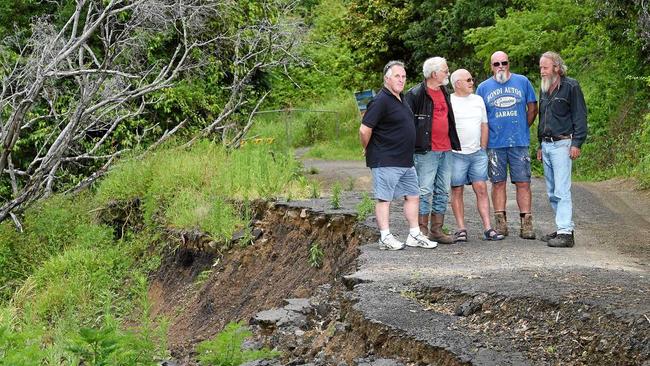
pixel 511 107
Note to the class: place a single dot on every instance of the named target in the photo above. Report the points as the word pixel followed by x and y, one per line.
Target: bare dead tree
pixel 259 46
pixel 101 55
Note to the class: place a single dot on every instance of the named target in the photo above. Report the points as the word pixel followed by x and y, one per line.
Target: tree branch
pixel 236 141
pixel 89 78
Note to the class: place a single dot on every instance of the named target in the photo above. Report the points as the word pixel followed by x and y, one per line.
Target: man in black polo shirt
pixel 387 135
pixel 561 131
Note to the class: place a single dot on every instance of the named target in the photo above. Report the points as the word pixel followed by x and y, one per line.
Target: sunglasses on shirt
pixel 502 63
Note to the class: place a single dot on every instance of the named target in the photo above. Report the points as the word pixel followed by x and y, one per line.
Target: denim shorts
pixel 516 158
pixel 469 168
pixel 390 183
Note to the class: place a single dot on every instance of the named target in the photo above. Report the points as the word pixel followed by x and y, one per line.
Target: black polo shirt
pixel 393 133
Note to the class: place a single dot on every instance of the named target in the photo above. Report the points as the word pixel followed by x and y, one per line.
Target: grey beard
pixel 501 77
pixel 547 82
pixel 446 81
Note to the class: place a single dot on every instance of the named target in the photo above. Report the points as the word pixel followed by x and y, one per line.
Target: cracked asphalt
pixel 608 269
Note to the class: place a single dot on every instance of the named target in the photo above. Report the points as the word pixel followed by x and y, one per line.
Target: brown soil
pixel 243 281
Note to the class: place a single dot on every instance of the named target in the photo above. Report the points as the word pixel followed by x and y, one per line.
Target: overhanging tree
pixel 74 86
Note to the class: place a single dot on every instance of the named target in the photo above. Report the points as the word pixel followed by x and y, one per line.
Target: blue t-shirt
pixel 506 109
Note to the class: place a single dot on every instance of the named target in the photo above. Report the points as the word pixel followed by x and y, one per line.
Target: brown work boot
pixel 500 222
pixel 526 231
pixel 423 222
pixel 436 233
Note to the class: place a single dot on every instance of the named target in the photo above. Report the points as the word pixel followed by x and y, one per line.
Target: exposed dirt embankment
pixel 515 302
pixel 200 289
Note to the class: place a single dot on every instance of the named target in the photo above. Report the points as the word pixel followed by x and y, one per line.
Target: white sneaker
pixel 420 241
pixel 390 243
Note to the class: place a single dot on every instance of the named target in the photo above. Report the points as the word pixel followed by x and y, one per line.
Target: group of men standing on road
pixel 427 142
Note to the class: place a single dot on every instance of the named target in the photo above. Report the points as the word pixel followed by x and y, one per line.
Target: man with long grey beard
pixel 512 107
pixel 561 132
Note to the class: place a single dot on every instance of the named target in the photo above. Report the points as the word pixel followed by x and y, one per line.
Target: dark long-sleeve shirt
pixel 563 112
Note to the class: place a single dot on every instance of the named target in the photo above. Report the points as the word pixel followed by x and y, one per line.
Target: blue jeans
pixel 468 168
pixel 434 178
pixel 516 158
pixel 557 172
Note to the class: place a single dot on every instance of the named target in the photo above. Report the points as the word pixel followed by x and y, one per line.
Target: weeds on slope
pixel 191 189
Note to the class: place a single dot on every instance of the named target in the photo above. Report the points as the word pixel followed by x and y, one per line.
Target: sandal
pixel 460 235
pixel 492 235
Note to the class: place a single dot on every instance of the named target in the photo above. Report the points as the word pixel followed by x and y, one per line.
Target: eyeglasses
pixel 470 80
pixel 502 63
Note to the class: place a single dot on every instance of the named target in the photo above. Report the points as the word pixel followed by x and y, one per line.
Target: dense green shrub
pixel 437 29
pixel 329 68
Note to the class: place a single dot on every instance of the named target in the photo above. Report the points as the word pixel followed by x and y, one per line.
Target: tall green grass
pixel 50 227
pixel 87 280
pixel 191 189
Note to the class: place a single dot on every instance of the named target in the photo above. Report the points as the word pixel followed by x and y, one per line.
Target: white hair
pixel 557 61
pixel 431 65
pixel 455 76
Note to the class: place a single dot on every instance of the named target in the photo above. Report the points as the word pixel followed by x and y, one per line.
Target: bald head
pixel 498 56
pixel 458 75
pixel 500 66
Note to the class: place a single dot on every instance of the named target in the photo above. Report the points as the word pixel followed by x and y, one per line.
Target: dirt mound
pixel 200 290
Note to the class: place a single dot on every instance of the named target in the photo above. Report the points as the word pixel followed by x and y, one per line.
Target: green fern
pixel 95 346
